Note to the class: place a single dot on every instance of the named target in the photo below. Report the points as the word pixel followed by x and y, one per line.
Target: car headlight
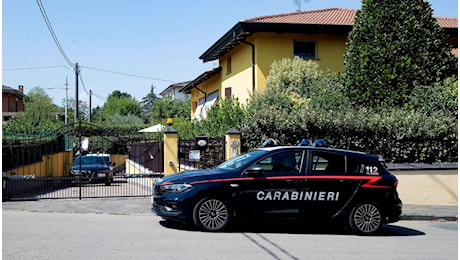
pixel 176 187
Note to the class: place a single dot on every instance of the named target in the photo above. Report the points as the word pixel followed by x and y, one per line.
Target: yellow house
pixel 247 50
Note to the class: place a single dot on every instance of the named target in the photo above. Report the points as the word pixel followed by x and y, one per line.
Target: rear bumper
pixel 394 213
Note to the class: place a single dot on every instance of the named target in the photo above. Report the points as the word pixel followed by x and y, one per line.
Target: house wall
pixel 269 47
pixel 240 78
pixel 9 103
pixel 209 87
pixel 175 94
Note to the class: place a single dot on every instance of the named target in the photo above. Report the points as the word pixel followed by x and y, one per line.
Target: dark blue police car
pixel 313 184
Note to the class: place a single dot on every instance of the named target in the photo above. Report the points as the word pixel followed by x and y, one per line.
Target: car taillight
pixel 396 184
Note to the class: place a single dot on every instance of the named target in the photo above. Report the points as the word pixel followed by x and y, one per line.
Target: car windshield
pixel 241 161
pixel 91 160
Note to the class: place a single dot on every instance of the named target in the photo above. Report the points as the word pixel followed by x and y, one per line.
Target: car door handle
pixel 291 181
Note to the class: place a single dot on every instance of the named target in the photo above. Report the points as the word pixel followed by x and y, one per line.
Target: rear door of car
pixel 332 180
pixel 274 191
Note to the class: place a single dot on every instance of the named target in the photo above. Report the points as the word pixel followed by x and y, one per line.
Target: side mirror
pixel 254 170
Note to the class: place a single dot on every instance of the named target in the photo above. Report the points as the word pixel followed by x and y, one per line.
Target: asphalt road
pixel 33 233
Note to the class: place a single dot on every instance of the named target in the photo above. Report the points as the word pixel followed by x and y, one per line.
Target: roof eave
pixel 243 29
pixel 200 79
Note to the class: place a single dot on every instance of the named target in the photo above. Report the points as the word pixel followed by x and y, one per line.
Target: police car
pixel 308 183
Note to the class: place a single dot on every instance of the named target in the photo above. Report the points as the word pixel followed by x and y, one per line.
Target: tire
pixel 211 214
pixel 366 218
pixel 108 182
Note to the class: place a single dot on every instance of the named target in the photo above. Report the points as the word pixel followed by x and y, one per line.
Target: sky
pixel 128 45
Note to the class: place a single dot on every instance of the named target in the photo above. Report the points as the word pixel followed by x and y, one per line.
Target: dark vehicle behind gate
pixel 93 168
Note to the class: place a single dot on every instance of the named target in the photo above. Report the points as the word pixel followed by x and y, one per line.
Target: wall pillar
pixel 171 151
pixel 232 143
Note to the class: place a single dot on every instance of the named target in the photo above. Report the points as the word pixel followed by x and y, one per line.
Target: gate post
pixel 171 151
pixel 232 143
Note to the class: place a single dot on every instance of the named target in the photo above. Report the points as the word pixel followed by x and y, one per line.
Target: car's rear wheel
pixel 108 182
pixel 211 214
pixel 366 218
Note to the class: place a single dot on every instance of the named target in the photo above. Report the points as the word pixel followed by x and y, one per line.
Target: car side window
pixel 354 166
pixel 326 162
pixel 286 162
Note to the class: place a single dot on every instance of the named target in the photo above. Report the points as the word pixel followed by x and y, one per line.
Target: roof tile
pixel 331 16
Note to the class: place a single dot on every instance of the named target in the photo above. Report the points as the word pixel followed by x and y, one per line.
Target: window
pixel 327 162
pixel 305 50
pixel 282 162
pixel 353 166
pixel 228 92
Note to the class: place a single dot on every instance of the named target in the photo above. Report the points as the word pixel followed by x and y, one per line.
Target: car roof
pixel 356 154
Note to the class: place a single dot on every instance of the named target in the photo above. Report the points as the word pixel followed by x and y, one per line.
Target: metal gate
pixel 24 188
pixel 37 167
pixel 194 154
pixel 148 154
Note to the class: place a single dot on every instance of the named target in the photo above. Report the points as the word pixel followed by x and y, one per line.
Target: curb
pixel 428 218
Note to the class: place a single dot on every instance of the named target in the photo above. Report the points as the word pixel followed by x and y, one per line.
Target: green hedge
pixel 397 135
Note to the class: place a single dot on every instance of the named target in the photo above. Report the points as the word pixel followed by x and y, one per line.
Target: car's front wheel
pixel 366 218
pixel 211 214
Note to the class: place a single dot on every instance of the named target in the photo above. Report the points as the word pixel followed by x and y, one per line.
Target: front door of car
pixel 272 187
pixel 329 186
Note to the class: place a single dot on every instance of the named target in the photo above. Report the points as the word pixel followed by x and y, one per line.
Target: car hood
pixel 91 167
pixel 192 176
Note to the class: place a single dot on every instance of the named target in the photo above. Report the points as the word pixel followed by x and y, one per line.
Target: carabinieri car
pixel 312 184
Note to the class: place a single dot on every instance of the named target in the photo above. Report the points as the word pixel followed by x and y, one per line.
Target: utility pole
pixel 65 105
pixel 90 94
pixel 77 70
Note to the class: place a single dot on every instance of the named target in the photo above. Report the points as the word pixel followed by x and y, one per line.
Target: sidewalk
pixel 133 206
pixel 429 212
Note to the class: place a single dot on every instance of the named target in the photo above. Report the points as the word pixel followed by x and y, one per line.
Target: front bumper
pixel 170 207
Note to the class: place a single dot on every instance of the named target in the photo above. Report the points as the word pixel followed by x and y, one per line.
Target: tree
pixel 83 109
pixel 149 100
pixel 121 103
pixel 169 107
pixel 395 46
pixel 222 116
pixel 39 114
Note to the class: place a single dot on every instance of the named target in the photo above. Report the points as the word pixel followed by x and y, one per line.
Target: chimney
pixel 21 88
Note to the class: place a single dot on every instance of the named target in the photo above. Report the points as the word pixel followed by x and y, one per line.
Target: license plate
pixel 101 175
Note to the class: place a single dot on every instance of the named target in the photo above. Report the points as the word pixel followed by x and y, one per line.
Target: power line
pixel 83 84
pixel 50 28
pixel 36 68
pixel 128 74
